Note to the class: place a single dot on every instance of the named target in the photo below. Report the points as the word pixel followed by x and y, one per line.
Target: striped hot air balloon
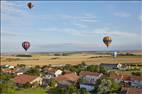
pixel 26 45
pixel 107 40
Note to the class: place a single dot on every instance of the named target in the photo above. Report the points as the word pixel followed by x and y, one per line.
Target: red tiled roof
pixel 126 77
pixel 67 71
pixel 132 90
pixel 136 78
pixel 23 79
pixel 84 73
pixel 52 70
pixel 69 77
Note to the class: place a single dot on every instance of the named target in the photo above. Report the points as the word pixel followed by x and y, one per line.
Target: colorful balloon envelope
pixel 107 40
pixel 30 5
pixel 26 45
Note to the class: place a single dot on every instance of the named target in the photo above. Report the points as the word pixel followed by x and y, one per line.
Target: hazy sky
pixel 71 25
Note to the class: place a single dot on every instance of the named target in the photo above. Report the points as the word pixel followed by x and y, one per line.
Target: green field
pixel 32 91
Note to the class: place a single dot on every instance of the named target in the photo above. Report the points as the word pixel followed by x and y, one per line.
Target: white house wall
pixel 87 87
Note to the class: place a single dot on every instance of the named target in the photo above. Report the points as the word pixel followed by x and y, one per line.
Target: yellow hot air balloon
pixel 107 40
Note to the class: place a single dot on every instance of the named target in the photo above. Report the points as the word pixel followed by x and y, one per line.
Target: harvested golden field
pixel 38 59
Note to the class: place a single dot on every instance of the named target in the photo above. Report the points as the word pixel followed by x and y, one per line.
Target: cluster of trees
pixel 104 85
pixel 61 54
pixel 134 68
pixel 34 71
pixel 23 55
pixel 11 59
pixel 6 85
pixel 52 83
pixel 107 85
pixel 83 67
pixel 137 73
pixel 72 90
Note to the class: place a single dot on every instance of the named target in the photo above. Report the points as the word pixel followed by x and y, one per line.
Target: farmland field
pixel 40 59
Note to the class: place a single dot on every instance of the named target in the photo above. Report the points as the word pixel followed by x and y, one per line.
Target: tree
pixel 107 86
pixel 64 54
pixel 33 71
pixel 102 70
pixel 67 67
pixel 37 67
pixel 52 83
pixel 7 87
pixel 71 89
pixel 83 63
pixel 93 68
pixel 62 91
pixel 21 65
pixel 136 73
pixel 27 85
pixel 57 54
pixel 84 91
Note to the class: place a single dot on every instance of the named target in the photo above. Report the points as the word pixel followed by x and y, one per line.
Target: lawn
pixel 31 91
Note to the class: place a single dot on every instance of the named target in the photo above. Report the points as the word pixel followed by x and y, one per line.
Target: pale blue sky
pixel 71 25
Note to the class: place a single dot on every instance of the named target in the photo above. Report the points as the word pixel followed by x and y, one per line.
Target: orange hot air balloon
pixel 107 40
pixel 30 5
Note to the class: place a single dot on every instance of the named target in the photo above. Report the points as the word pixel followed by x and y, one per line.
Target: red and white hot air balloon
pixel 26 45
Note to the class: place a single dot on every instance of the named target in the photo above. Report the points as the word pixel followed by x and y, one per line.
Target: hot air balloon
pixel 114 54
pixel 26 45
pixel 30 5
pixel 107 40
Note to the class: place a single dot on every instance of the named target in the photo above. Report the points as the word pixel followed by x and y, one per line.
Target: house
pixel 67 79
pixel 22 70
pixel 89 79
pixel 131 91
pixel 7 66
pixel 128 80
pixel 87 86
pixel 136 81
pixel 115 66
pixel 51 72
pixel 8 71
pixel 109 66
pixel 23 79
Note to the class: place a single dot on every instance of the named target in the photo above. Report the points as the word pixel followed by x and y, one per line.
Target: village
pixel 73 79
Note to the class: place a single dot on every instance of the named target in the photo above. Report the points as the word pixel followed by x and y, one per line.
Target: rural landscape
pixel 71 47
pixel 73 58
pixel 70 72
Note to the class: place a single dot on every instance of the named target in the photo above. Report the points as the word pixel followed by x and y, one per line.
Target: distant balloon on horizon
pixel 26 45
pixel 114 54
